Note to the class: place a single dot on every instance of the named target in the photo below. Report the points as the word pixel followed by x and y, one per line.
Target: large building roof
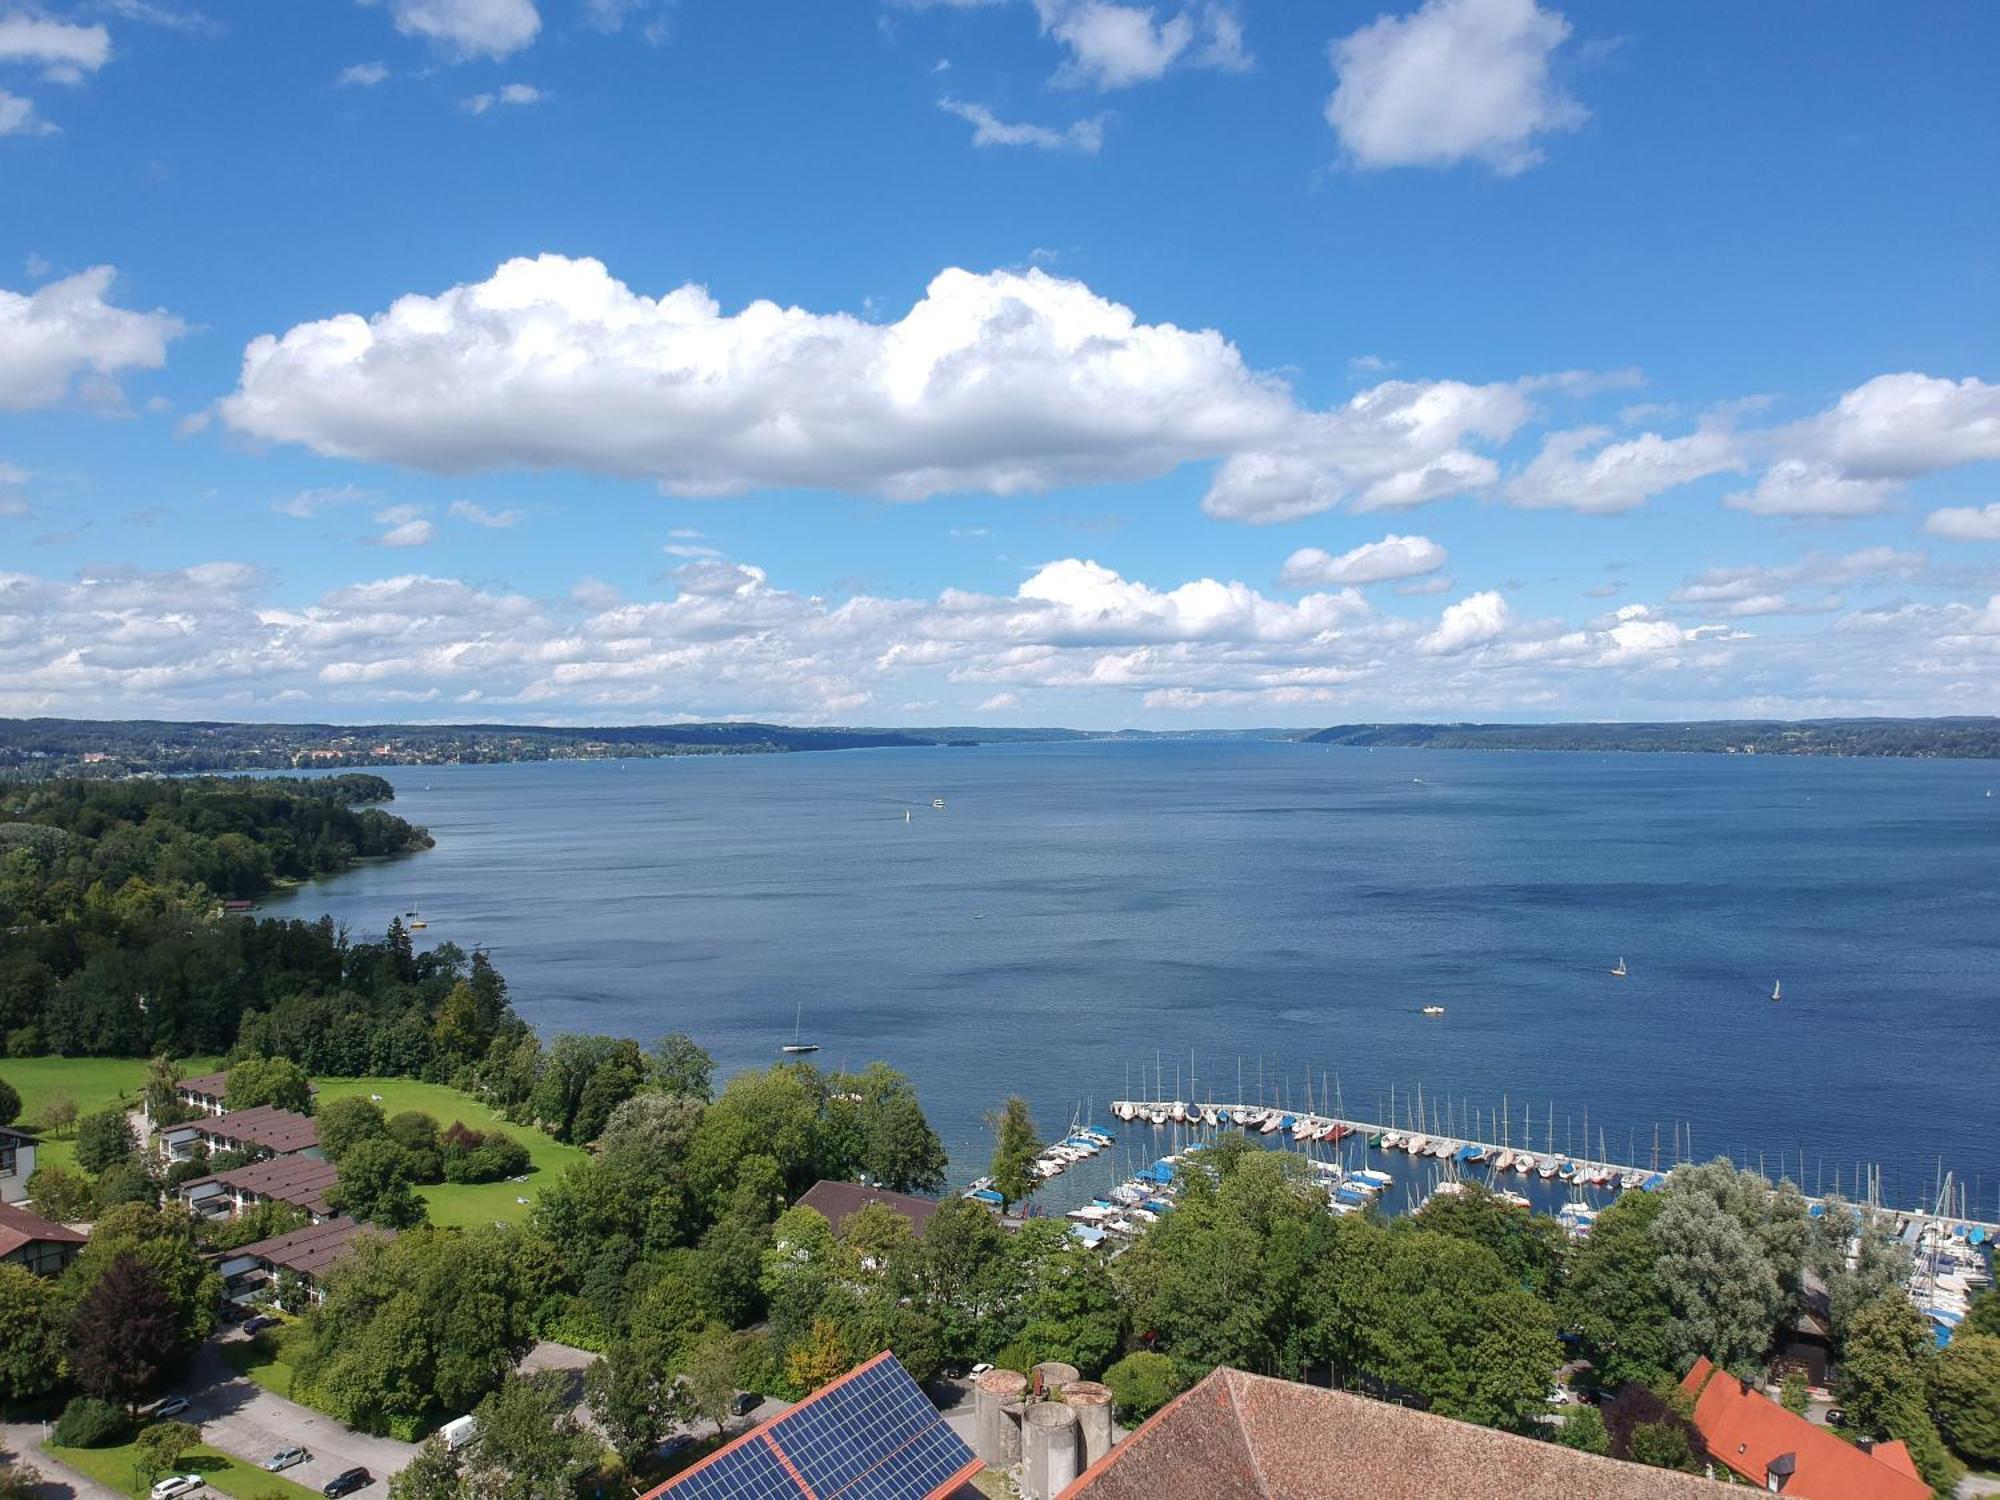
pixel 870 1435
pixel 315 1249
pixel 298 1180
pixel 214 1085
pixel 1745 1429
pixel 836 1202
pixel 1248 1437
pixel 19 1227
pixel 276 1130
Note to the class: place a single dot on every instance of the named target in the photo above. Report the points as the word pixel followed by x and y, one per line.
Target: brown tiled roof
pixel 314 1249
pixel 298 1180
pixel 1248 1437
pixel 9 1136
pixel 19 1227
pixel 276 1130
pixel 836 1201
pixel 1746 1430
pixel 213 1084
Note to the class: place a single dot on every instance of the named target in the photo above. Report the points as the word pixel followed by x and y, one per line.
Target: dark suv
pixel 346 1482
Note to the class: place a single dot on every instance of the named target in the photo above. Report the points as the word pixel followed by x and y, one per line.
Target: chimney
pixel 1744 1381
pixel 1866 1445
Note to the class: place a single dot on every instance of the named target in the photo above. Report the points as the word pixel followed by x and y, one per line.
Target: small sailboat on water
pixel 1620 971
pixel 795 1045
pixel 1777 991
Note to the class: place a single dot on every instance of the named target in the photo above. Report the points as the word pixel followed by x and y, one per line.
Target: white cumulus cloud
pixel 1113 45
pixel 362 75
pixel 1472 621
pixel 1372 562
pixel 1453 81
pixel 479 515
pixel 18 116
pixel 1965 523
pixel 63 329
pixel 470 28
pixel 1583 470
pixel 63 50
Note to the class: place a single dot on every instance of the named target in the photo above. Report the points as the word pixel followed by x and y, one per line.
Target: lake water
pixel 1080 915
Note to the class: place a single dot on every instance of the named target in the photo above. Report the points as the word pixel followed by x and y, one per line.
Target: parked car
pixel 259 1323
pixel 1835 1417
pixel 346 1482
pixel 458 1432
pixel 979 1370
pixel 744 1402
pixel 676 1445
pixel 173 1406
pixel 176 1484
pixel 286 1458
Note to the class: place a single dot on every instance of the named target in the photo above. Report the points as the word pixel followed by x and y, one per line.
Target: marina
pixel 1951 1254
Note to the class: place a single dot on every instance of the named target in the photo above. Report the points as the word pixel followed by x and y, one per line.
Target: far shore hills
pixel 112 747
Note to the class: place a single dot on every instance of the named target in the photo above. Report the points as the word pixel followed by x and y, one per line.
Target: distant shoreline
pixel 35 748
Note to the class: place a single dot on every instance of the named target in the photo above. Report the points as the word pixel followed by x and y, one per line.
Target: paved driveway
pixel 22 1440
pixel 248 1422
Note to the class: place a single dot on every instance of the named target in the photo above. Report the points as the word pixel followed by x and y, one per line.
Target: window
pixel 7 1162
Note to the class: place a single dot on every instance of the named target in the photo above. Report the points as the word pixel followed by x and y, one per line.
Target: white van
pixel 458 1432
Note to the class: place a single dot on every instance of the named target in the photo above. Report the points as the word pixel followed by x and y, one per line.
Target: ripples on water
pixel 1078 912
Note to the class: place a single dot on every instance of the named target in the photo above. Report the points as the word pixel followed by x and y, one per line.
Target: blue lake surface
pixel 1078 916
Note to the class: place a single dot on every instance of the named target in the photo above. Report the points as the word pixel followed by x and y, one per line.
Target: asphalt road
pixel 250 1423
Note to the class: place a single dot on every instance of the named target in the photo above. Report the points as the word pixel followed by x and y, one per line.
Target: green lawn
pixel 95 1083
pixel 113 1468
pixel 264 1358
pixel 464 1203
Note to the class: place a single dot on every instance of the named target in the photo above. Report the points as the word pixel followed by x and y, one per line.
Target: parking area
pixel 250 1423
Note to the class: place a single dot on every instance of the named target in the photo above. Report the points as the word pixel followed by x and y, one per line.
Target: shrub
pixel 88 1422
pixel 1793 1393
pixel 1141 1384
pixel 1583 1429
pixel 10 1103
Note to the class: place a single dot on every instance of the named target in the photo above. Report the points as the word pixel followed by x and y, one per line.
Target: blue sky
pixel 1028 361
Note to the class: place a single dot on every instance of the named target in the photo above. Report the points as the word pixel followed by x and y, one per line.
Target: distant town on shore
pixel 36 747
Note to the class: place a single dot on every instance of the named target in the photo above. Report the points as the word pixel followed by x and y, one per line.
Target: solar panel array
pixel 871 1436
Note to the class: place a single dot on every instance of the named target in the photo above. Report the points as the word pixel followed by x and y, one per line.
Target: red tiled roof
pixel 1249 1437
pixel 215 1085
pixel 1747 1430
pixel 837 1201
pixel 18 1227
pixel 276 1130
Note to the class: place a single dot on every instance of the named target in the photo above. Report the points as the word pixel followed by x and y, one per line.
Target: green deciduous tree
pixel 374 1185
pixel 10 1103
pixel 1853 1251
pixel 677 1065
pixel 1015 1147
pixel 104 1139
pixel 1965 1394
pixel 1885 1367
pixel 1732 1250
pixel 1531 1246
pixel 60 1194
pixel 275 1081
pixel 950 1275
pixel 345 1123
pixel 530 1446
pixel 1141 1384
pixel 708 1374
pixel 161 1446
pixel 429 1321
pixel 1613 1296
pixel 30 1335
pixel 634 1395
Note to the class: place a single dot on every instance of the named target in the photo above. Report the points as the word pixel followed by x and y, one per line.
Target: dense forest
pixel 1948 739
pixel 109 895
